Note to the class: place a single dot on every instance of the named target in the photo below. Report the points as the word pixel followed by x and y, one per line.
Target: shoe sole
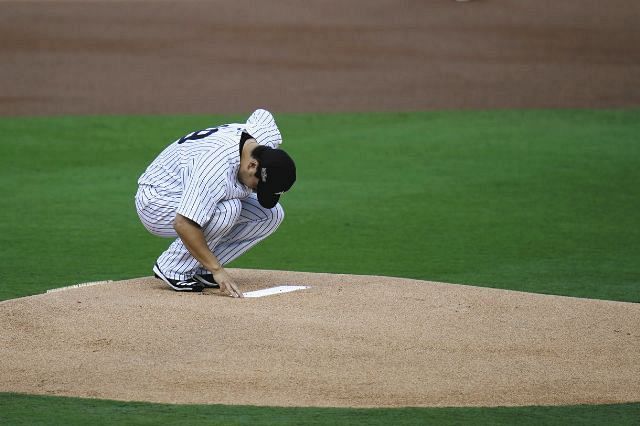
pixel 160 275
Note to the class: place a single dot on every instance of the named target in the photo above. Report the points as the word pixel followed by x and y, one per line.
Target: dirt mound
pixel 354 341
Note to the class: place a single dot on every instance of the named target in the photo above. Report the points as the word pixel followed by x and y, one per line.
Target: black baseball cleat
pixel 178 285
pixel 206 280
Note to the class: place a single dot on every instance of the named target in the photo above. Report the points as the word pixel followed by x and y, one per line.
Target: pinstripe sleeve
pixel 262 126
pixel 204 187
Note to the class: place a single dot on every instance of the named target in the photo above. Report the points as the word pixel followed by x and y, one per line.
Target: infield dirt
pixel 355 341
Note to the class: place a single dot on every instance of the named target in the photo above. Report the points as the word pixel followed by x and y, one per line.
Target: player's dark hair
pixel 257 155
pixel 244 137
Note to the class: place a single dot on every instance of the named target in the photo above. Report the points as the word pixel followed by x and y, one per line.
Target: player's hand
pixel 227 285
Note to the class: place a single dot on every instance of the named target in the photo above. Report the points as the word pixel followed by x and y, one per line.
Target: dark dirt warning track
pixel 148 57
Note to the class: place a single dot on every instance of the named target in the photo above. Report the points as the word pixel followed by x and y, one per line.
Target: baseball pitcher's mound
pixel 357 341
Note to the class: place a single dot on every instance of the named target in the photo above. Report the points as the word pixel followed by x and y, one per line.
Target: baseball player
pixel 217 190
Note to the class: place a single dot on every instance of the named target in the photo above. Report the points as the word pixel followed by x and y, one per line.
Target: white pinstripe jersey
pixel 201 168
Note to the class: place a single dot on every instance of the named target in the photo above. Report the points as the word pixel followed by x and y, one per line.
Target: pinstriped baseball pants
pixel 235 227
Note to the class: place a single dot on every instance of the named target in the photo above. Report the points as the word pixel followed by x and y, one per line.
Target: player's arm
pixel 193 238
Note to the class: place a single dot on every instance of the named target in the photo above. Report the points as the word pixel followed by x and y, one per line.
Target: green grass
pixel 71 411
pixel 540 201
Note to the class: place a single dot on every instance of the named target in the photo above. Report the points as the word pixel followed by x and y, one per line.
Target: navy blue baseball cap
pixel 276 176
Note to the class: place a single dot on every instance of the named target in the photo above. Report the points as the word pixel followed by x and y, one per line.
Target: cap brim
pixel 267 200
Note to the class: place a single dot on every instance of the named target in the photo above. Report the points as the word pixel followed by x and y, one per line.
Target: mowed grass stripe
pixel 16 409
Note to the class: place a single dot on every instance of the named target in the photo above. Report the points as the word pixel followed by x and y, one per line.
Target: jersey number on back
pixel 199 134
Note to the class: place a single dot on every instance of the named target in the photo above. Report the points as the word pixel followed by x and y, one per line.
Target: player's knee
pixel 272 220
pixel 277 215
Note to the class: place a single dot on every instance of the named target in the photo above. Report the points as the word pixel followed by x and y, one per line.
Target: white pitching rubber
pixel 275 290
